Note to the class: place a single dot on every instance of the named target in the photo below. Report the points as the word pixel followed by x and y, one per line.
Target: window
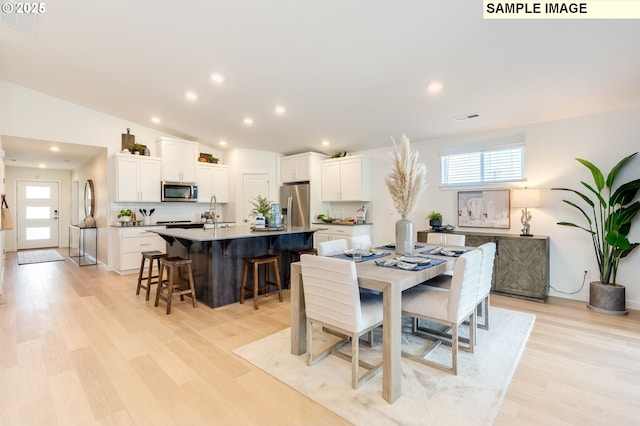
pixel 499 165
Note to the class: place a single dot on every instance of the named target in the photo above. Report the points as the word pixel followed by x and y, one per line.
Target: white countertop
pixel 242 231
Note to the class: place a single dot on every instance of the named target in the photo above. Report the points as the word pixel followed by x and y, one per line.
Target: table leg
pixel 392 343
pixel 298 314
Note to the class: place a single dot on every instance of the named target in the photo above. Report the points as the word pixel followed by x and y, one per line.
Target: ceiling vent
pixel 25 22
pixel 467 117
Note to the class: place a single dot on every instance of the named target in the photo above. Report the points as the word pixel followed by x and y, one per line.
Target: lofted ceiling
pixel 352 73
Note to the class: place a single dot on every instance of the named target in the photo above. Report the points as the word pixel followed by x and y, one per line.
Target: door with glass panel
pixel 37 214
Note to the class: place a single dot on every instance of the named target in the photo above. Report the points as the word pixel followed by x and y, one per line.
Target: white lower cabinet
pixel 130 242
pixel 337 232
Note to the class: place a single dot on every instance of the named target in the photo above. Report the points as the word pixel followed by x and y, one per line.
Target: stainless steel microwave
pixel 177 191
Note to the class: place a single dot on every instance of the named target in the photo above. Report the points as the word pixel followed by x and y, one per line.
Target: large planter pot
pixel 607 298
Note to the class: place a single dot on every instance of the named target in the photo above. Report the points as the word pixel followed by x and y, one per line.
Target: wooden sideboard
pixel 521 268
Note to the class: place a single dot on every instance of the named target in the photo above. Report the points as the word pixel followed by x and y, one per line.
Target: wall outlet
pixel 587 274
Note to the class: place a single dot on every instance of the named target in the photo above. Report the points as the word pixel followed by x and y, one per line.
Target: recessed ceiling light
pixel 279 109
pixel 326 143
pixel 434 87
pixel 248 121
pixel 54 148
pixel 155 119
pixel 192 96
pixel 42 165
pixel 223 142
pixel 217 78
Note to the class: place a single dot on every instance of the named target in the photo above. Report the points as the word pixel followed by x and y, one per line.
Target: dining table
pixel 391 282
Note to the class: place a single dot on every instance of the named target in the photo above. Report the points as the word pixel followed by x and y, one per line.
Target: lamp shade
pixel 525 198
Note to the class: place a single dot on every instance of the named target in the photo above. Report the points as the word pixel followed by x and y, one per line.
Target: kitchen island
pixel 217 255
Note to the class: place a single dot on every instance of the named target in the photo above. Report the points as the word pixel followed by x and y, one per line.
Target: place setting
pixel 409 263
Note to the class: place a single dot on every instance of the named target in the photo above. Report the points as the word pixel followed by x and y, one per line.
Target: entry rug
pixel 38 256
pixel 429 396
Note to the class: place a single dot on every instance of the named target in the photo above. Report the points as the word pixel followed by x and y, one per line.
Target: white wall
pixel 96 170
pixel 550 151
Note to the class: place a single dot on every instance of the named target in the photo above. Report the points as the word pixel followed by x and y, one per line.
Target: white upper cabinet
pixel 137 178
pixel 299 167
pixel 179 159
pixel 346 179
pixel 212 179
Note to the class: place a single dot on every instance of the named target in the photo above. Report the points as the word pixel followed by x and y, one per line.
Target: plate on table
pixel 414 259
pixel 406 265
pixel 364 253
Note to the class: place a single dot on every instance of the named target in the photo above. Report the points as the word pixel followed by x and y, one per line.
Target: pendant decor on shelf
pixel 406 182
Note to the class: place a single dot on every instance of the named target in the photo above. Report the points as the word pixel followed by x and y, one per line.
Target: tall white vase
pixel 405 241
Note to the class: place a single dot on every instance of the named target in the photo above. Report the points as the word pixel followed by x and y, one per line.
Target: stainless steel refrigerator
pixel 298 213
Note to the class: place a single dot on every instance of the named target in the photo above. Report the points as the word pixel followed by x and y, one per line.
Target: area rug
pixel 38 256
pixel 429 396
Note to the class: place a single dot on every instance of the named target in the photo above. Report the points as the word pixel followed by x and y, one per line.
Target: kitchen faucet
pixel 213 208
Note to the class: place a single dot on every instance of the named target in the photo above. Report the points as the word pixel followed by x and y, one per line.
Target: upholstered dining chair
pixel 447 307
pixel 452 239
pixel 364 240
pixel 332 247
pixel 333 301
pixel 484 287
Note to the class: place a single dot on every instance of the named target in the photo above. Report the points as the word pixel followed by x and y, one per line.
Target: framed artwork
pixel 484 209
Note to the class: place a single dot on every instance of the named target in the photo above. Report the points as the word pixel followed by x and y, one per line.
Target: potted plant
pixel 261 207
pixel 435 219
pixel 609 213
pixel 124 215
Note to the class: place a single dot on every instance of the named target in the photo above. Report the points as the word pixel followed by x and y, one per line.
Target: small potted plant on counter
pixel 261 209
pixel 124 215
pixel 435 219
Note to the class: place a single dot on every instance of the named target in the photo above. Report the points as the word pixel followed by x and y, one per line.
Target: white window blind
pixel 499 165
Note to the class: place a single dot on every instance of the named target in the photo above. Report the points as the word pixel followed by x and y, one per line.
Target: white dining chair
pixel 484 287
pixel 332 247
pixel 457 240
pixel 447 307
pixel 452 239
pixel 364 240
pixel 333 301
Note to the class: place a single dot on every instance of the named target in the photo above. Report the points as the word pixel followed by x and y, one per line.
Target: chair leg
pixel 255 285
pixel 159 289
pixel 149 275
pixel 192 286
pixel 244 283
pixel 140 278
pixel 355 360
pixel 454 349
pixel 276 272
pixel 170 273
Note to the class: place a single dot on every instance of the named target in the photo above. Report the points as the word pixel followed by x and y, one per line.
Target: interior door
pixel 253 184
pixel 37 214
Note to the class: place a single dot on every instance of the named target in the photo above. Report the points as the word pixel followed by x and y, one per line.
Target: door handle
pixel 55 214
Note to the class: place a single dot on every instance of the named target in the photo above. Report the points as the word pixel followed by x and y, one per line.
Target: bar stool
pixel 151 256
pixel 174 266
pixel 295 257
pixel 266 260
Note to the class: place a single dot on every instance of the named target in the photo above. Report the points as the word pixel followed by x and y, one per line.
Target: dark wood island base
pixel 217 256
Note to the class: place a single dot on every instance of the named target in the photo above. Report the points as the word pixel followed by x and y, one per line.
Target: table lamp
pixel 525 198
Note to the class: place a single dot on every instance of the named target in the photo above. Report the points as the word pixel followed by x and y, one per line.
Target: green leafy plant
pixel 261 206
pixel 433 215
pixel 609 214
pixel 123 213
pixel 138 148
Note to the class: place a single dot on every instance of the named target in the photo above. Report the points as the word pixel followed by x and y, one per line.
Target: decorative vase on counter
pixel 404 236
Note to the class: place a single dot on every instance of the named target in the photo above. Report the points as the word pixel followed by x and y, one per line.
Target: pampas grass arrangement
pixel 408 178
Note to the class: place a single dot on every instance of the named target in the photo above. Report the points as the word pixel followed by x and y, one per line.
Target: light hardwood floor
pixel 77 346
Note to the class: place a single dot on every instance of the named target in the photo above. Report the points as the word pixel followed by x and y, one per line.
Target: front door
pixel 37 214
